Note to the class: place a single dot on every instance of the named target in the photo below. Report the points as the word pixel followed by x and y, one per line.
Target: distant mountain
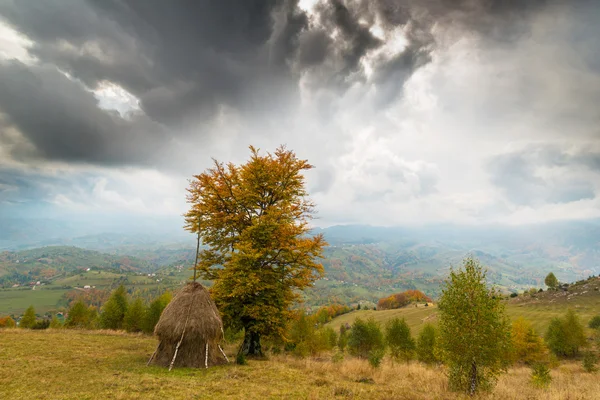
pixel 362 262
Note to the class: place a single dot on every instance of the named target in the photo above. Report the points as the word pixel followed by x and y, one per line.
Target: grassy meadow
pixel 66 364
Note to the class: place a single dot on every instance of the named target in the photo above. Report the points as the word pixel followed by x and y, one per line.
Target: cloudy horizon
pixel 436 111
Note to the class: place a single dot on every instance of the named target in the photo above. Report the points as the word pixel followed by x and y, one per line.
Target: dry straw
pixel 189 331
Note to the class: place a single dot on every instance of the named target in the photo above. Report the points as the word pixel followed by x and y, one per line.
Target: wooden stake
pixel 177 348
pixel 153 354
pixel 206 357
pixel 222 352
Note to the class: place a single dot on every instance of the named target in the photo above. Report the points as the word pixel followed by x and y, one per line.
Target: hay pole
pixel 222 352
pixel 197 248
pixel 153 354
pixel 206 357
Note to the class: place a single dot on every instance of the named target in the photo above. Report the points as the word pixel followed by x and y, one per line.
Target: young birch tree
pixel 474 331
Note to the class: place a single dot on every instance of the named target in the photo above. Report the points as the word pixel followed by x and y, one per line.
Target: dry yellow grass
pixel 89 365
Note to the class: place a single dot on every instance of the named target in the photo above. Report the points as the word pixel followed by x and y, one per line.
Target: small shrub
pixel 233 335
pixel 240 359
pixel 55 323
pixel 540 375
pixel 343 338
pixel 513 294
pixel 337 357
pixel 595 322
pixel 28 319
pixel 566 335
pixel 589 362
pixel 41 324
pixel 375 357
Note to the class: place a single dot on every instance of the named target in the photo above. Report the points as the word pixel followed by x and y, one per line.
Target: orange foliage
pixel 401 299
pixel 7 322
pixel 327 313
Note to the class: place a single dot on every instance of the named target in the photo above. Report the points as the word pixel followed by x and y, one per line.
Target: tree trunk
pixel 473 386
pixel 251 345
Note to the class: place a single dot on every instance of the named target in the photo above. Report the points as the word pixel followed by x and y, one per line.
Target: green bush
pixel 590 360
pixel 566 335
pixel 375 357
pixel 540 375
pixel 41 324
pixel 595 322
pixel 306 340
pixel 364 337
pixel 55 323
pixel 426 345
pixel 28 319
pixel 343 338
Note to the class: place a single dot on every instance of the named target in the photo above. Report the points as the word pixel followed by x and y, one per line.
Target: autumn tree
pixel 253 220
pixel 551 281
pixel 7 322
pixel 527 346
pixel 474 331
pixel 28 319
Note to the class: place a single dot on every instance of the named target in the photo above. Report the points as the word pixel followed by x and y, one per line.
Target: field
pixel 17 300
pixel 112 365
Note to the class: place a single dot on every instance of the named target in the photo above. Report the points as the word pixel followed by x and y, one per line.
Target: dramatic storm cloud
pixel 412 111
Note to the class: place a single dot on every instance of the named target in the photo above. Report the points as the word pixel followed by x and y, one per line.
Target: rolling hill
pixel 539 308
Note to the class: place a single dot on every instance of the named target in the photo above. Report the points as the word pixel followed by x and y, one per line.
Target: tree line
pixel 119 312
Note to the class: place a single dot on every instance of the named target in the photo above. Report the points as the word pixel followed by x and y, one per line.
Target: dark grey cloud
pixel 185 59
pixel 500 21
pixel 518 175
pixel 63 122
pixel 178 57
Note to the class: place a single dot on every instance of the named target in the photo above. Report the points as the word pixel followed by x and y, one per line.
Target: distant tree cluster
pixel 327 313
pixel 402 299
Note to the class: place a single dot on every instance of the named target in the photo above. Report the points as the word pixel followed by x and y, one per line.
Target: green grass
pixel 17 300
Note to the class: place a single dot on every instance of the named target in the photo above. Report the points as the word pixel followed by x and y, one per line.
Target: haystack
pixel 189 331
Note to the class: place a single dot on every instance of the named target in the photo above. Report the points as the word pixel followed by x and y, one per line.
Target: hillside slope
pixel 47 263
pixel 583 297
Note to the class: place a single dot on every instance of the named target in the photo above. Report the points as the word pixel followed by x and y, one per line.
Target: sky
pixel 412 111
